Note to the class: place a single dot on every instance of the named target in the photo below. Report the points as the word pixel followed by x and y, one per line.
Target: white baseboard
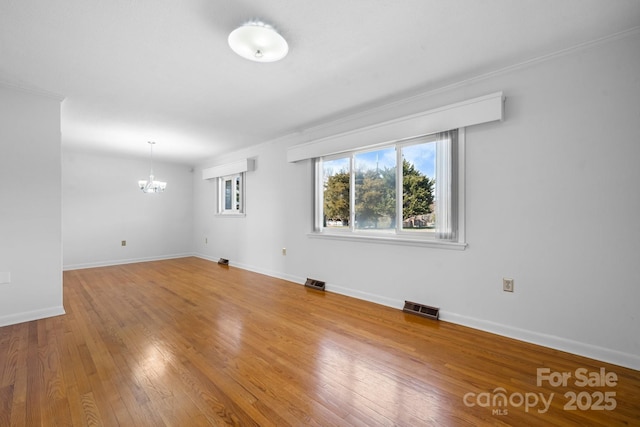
pixel 365 296
pixel 122 261
pixel 28 316
pixel 253 269
pixel 603 354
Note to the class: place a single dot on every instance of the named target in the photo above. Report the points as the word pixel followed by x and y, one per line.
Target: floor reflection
pixel 369 383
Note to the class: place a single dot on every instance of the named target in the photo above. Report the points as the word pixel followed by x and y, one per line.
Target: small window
pixel 231 194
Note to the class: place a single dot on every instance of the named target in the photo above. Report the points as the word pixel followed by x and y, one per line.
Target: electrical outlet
pixel 206 240
pixel 124 243
pixel 507 284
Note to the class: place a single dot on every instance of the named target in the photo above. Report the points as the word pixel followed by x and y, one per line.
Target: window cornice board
pixel 471 112
pixel 243 165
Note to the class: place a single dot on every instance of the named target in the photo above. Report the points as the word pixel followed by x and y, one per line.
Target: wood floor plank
pixel 6 398
pixel 19 369
pixel 189 342
pixel 10 356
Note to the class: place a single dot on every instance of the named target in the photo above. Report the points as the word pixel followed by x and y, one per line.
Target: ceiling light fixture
pixel 152 186
pixel 258 42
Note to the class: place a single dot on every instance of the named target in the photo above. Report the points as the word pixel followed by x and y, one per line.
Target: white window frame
pixel 397 236
pixel 237 193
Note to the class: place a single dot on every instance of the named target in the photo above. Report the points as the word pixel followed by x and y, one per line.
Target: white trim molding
pixel 471 112
pixel 28 316
pixel 109 263
pixel 390 239
pixel 240 166
pixel 33 91
pixel 603 354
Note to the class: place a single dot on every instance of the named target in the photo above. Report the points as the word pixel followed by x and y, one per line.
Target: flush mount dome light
pixel 258 42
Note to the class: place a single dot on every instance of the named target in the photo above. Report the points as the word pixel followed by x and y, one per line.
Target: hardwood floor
pixel 187 342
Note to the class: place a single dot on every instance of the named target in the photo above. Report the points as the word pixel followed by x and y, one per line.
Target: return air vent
pixel 223 261
pixel 421 310
pixel 314 284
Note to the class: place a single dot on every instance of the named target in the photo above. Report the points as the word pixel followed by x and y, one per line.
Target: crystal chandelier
pixel 151 185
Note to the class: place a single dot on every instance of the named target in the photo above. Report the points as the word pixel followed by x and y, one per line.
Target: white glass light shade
pixel 258 42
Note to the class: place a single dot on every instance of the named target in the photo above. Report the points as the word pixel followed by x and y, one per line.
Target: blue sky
pixel 332 167
pixel 421 155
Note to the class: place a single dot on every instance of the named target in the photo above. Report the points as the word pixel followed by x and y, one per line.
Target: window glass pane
pixel 237 192
pixel 375 189
pixel 336 178
pixel 418 187
pixel 228 194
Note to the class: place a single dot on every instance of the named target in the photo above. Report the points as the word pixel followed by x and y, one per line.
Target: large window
pixel 405 190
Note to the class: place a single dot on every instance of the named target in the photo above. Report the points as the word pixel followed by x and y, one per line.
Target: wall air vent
pixel 314 284
pixel 421 310
pixel 223 261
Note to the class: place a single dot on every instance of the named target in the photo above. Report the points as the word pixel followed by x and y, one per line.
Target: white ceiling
pixel 139 70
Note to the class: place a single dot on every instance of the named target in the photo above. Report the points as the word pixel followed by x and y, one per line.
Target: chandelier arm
pixel 152 186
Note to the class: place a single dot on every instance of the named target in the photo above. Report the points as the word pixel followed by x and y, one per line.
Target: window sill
pixel 221 215
pixel 391 240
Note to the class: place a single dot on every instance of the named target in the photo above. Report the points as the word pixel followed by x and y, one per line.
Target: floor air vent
pixel 223 261
pixel 421 310
pixel 314 284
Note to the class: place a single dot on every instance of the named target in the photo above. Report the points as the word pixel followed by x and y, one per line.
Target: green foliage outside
pixel 375 192
pixel 375 198
pixel 417 192
pixel 336 198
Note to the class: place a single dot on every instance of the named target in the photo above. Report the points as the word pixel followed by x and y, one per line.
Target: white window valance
pixel 471 112
pixel 240 166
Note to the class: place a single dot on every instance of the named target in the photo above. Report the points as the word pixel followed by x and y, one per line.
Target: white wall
pixel 552 201
pixel 30 206
pixel 102 205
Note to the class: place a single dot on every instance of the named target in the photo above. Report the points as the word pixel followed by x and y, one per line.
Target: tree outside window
pixel 360 191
